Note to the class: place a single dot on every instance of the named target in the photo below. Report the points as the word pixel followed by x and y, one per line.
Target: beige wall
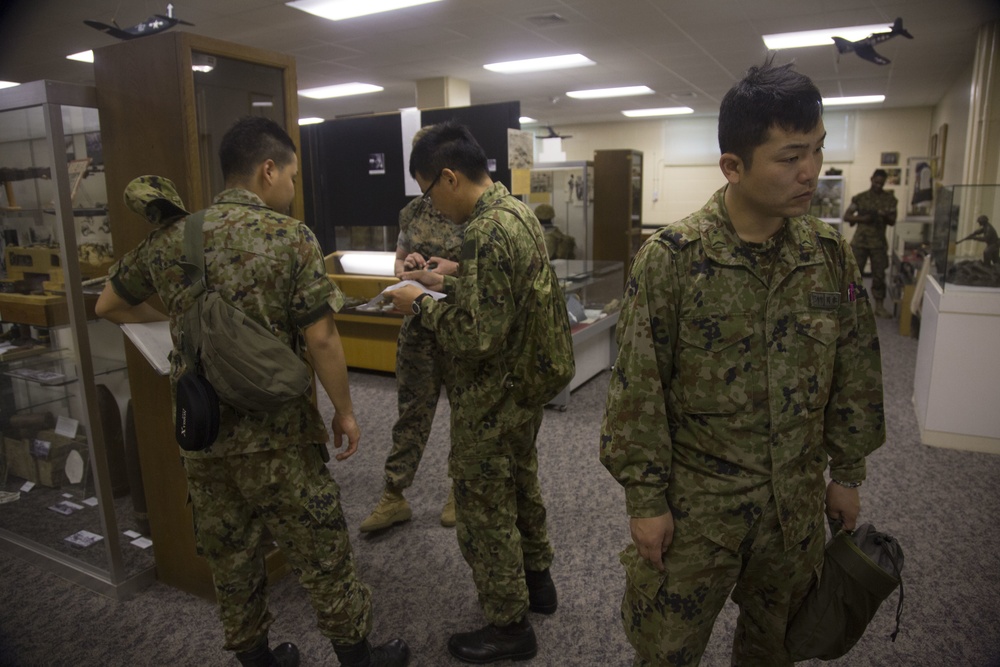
pixel 953 109
pixel 672 192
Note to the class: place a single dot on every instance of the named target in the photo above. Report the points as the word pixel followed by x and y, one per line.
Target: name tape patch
pixel 824 300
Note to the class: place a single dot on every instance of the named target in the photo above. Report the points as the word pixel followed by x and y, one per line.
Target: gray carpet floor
pixel 941 505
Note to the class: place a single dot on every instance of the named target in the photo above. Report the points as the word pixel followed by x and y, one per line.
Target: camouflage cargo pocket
pixel 487 467
pixel 713 364
pixel 816 353
pixel 643 578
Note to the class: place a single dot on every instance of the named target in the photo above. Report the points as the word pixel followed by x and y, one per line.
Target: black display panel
pixel 489 124
pixel 353 170
pixel 354 174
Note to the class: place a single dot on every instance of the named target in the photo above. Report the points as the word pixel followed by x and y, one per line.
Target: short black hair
pixel 448 145
pixel 250 141
pixel 880 172
pixel 765 97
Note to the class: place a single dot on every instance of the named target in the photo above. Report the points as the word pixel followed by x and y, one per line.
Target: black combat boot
pixel 394 653
pixel 541 591
pixel 491 643
pixel 284 655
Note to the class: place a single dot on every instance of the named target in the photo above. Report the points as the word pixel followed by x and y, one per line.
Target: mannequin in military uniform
pixel 872 211
pixel 558 244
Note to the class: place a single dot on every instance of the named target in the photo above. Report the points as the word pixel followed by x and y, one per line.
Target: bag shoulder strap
pixel 538 246
pixel 194 269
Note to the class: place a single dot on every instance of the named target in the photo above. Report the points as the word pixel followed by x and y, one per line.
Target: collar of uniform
pixel 723 245
pixel 492 194
pixel 238 196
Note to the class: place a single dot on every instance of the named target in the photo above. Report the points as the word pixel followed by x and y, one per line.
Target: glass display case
pixel 568 187
pixel 593 296
pixel 69 487
pixel 828 200
pixel 957 375
pixel 963 245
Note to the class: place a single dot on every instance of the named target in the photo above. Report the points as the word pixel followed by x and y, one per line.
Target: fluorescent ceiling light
pixel 338 10
pixel 624 91
pixel 526 120
pixel 310 121
pixel 665 111
pixel 8 84
pixel 83 56
pixel 860 99
pixel 202 62
pixel 340 90
pixel 541 64
pixel 795 40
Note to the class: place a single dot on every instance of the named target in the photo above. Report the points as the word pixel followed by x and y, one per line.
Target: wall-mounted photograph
pixel 890 159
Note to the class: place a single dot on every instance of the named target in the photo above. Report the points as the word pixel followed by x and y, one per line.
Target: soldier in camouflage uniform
pixel 493 462
pixel 873 210
pixel 748 362
pixel 265 471
pixel 422 367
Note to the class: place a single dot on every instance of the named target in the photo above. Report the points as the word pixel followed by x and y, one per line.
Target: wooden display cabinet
pixel 617 205
pixel 161 117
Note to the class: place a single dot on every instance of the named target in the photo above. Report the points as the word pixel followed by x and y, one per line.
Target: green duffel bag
pixel 860 570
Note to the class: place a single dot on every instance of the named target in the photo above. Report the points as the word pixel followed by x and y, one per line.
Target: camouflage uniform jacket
pixel 423 229
pixel 727 391
pixel 480 322
pixel 872 234
pixel 271 267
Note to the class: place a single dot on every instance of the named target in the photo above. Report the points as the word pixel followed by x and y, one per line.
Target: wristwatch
pixel 415 306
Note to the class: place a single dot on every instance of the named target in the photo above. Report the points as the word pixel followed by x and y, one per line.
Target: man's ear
pixel 450 178
pixel 268 172
pixel 732 167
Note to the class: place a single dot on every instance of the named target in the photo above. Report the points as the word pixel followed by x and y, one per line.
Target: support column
pixel 442 92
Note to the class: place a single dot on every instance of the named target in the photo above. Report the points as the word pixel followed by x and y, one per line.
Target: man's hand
pixel 414 261
pixel 403 298
pixel 429 279
pixel 652 536
pixel 345 425
pixel 443 266
pixel 843 505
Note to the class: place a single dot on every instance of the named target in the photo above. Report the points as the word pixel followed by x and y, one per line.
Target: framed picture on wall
pixel 890 159
pixel 894 176
pixel 920 188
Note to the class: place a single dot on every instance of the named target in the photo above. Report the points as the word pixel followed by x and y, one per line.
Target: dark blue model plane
pixel 154 24
pixel 865 48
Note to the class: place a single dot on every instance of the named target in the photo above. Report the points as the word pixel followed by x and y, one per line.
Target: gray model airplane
pixel 865 48
pixel 154 24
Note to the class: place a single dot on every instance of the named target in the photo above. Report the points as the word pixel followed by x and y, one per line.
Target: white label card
pixel 67 426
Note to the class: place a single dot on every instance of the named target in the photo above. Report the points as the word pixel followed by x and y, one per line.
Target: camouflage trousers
pixel 291 492
pixel 880 262
pixel 669 616
pixel 500 517
pixel 421 370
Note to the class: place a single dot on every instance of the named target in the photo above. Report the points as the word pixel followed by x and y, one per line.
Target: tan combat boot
pixel 392 508
pixel 448 511
pixel 880 310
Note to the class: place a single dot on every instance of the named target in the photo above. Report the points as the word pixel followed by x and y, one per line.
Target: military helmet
pixel 545 212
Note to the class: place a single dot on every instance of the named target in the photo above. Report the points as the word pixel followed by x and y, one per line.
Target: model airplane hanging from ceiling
pixel 151 26
pixel 865 48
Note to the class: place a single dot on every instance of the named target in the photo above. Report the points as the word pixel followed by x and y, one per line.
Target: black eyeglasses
pixel 427 193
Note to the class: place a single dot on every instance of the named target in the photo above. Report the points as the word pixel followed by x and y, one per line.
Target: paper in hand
pixel 437 296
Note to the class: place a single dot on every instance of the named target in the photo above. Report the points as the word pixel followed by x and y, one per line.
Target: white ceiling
pixel 690 52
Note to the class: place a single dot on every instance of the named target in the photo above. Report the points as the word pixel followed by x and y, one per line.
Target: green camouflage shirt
pixel 480 322
pixel 730 388
pixel 423 229
pixel 270 266
pixel 872 234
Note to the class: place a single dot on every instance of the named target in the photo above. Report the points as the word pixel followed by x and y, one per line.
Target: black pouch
pixel 196 422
